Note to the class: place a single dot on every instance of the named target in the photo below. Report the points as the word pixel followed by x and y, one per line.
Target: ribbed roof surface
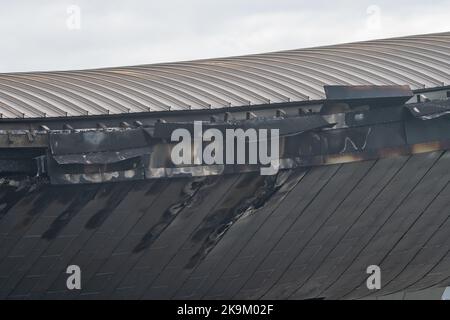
pixel 296 75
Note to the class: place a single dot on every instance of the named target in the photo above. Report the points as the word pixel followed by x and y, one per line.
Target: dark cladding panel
pixel 97 156
pixel 367 92
pixel 429 110
pixel 194 242
pixel 102 157
pixel 96 141
pixel 286 126
pixel 420 131
pixel 361 139
pixel 75 173
pixel 370 95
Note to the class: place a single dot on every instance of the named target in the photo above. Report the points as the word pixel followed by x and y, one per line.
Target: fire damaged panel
pixel 104 157
pixel 391 94
pixel 224 230
pixel 97 156
pixel 436 131
pixel 286 126
pixel 130 169
pixel 429 110
pixel 369 117
pixel 360 139
pixel 118 154
pixel 360 178
pixel 62 143
pixel 181 238
pixel 24 166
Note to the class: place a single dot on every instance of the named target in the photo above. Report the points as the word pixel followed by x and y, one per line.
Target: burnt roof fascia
pixel 90 121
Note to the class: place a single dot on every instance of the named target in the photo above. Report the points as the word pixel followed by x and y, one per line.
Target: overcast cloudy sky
pixel 77 34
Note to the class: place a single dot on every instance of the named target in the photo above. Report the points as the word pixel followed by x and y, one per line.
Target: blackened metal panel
pixel 192 281
pixel 130 169
pixel 17 166
pixel 308 223
pixel 241 265
pixel 97 156
pixel 286 126
pixel 365 117
pixel 102 157
pixel 395 93
pixel 388 248
pixel 435 130
pixel 429 110
pixel 129 239
pixel 96 141
pixel 405 262
pixel 361 139
pixel 346 275
pixel 168 237
pixel 312 280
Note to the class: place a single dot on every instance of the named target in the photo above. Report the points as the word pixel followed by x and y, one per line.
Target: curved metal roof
pixel 421 61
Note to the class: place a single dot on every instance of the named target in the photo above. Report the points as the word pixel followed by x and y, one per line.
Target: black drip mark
pixel 12 195
pixel 265 193
pixel 156 187
pixel 116 195
pixel 247 180
pixel 85 195
pixel 219 222
pixel 47 194
pixel 190 194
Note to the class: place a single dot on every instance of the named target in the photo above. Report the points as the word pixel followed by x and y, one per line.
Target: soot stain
pixel 82 197
pixel 11 196
pixel 116 195
pixel 189 195
pixel 245 202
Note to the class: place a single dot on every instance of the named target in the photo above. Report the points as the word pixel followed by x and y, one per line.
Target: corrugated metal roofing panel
pixel 420 61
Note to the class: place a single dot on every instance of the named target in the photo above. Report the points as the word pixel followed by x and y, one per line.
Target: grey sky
pixel 35 36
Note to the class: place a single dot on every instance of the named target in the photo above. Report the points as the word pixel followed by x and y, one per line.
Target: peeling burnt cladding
pixel 250 194
pixel 354 123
